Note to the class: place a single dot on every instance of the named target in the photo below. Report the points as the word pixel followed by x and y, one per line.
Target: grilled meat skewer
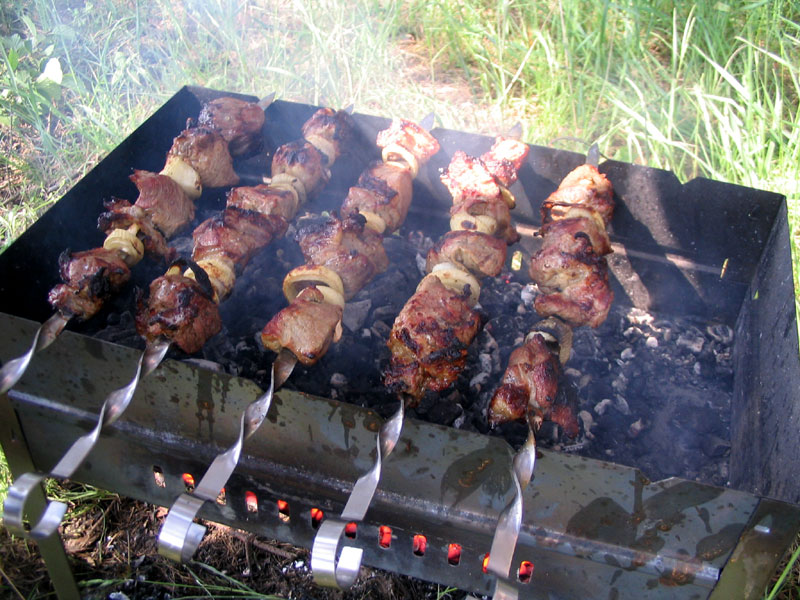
pixel 430 336
pixel 344 254
pixel 186 312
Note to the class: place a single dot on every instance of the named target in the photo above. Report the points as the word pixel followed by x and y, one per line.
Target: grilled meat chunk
pixel 410 136
pixel 584 186
pixel 238 122
pixel 303 160
pixel 504 159
pixel 207 153
pixel 265 200
pixel 354 251
pixel 306 327
pixel 583 303
pixel 89 278
pixel 236 233
pixel 494 208
pixel 179 309
pixel 481 254
pixel 467 178
pixel 384 190
pixel 121 214
pixel 529 388
pixel 334 127
pixel 168 206
pixel 429 340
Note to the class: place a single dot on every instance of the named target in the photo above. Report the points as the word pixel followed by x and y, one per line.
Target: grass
pixel 704 89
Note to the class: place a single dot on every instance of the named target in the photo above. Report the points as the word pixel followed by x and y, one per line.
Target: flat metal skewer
pixel 180 536
pixel 342 573
pixel 15 368
pixel 116 402
pixel 505 538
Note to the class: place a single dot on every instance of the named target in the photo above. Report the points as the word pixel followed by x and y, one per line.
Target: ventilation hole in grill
pixel 420 545
pixel 384 536
pixel 251 501
pixel 525 571
pixel 283 511
pixel 158 477
pixel 316 517
pixel 350 530
pixel 454 554
pixel 486 563
pixel 222 498
pixel 188 482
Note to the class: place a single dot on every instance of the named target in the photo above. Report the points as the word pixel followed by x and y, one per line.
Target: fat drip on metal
pixel 592 528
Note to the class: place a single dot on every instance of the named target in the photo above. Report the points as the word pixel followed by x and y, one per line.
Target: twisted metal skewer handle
pixel 510 522
pixel 180 536
pixel 115 404
pixel 324 565
pixel 14 369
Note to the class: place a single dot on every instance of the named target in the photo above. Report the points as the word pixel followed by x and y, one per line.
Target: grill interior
pixel 703 269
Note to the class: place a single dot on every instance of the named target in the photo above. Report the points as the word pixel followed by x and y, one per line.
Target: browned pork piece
pixel 238 122
pixel 505 159
pixel 236 234
pixel 168 206
pixel 477 193
pixel 346 246
pixel 529 388
pixel 306 327
pixel 301 159
pixel 329 131
pixel 179 309
pixel 264 199
pixel 89 278
pixel 479 253
pixel 584 186
pixel 429 340
pixel 121 214
pixel 384 190
pixel 206 151
pixel 411 137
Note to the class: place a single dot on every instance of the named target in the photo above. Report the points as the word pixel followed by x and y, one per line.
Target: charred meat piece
pixel 165 202
pixel 496 209
pixel 481 254
pixel 303 160
pixel 179 309
pixel 410 136
pixel 530 383
pixel 89 278
pixel 578 219
pixel 384 190
pixel 121 214
pixel 207 153
pixel 429 340
pixel 335 128
pixel 529 388
pixel 265 200
pixel 584 186
pixel 467 178
pixel 504 159
pixel 583 303
pixel 354 251
pixel 238 122
pixel 236 233
pixel 306 327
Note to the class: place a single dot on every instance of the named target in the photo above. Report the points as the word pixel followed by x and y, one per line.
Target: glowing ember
pixel 420 545
pixel 454 554
pixel 385 536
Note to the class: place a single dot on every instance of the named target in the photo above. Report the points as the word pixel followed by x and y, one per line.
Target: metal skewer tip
pixel 180 536
pixel 593 155
pixel 515 132
pixel 428 121
pixel 266 101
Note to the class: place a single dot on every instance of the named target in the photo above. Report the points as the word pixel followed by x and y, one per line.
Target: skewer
pixel 180 535
pixel 115 404
pixel 510 521
pixel 113 407
pixel 342 573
